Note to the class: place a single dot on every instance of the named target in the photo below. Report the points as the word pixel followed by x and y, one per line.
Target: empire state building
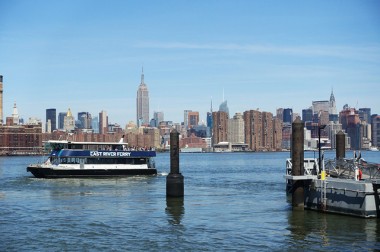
pixel 142 103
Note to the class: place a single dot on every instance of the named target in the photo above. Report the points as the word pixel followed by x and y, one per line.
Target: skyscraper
pixel 253 129
pixel 193 119
pixel 333 114
pixel 224 107
pixel 235 129
pixel 220 127
pixel 142 103
pixel 15 116
pixel 288 115
pixel 69 122
pixel 307 115
pixel 103 122
pixel 51 114
pixel 158 117
pixel 61 120
pixel 85 120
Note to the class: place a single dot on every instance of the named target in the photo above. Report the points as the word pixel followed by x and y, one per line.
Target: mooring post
pixel 298 163
pixel 340 145
pixel 174 180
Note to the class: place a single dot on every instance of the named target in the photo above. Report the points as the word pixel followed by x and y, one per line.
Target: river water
pixel 233 201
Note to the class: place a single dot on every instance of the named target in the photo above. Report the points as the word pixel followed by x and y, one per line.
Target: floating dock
pixel 342 185
pixel 350 187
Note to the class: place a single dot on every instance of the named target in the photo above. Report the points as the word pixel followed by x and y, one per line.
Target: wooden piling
pixel 340 145
pixel 298 163
pixel 174 180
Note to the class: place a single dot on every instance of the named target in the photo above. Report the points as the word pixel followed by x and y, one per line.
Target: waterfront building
pixel 143 137
pixel 103 122
pixel 375 130
pixel 142 103
pixel 193 142
pixel 236 129
pixel 253 129
pixel 20 139
pixel 220 127
pixel 267 134
pixel 69 122
pixel 1 100
pixel 51 114
pixel 277 134
pixel 262 131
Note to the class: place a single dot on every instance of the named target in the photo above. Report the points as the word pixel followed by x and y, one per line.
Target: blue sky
pixel 88 55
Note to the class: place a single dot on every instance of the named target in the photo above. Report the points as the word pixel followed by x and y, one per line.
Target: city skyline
pixel 87 56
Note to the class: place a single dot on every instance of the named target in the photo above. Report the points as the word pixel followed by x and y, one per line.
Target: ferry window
pixel 54 160
pixel 140 161
pixel 77 146
pixel 92 147
pixel 73 160
pixel 63 161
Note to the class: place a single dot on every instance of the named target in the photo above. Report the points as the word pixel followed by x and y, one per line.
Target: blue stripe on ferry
pixel 87 153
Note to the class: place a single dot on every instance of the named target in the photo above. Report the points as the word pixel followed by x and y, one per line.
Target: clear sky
pixel 88 55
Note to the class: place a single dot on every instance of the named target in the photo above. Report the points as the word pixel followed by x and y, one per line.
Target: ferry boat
pixel 70 159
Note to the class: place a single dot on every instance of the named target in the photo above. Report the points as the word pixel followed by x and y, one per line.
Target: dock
pixel 342 191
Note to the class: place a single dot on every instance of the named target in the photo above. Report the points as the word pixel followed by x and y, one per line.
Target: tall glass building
pixel 51 114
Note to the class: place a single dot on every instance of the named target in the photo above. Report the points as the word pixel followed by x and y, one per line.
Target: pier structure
pixel 174 180
pixel 351 186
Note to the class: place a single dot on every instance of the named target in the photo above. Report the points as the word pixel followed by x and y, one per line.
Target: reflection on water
pixel 316 230
pixel 174 209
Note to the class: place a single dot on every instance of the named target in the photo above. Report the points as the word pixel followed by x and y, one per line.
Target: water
pixel 233 201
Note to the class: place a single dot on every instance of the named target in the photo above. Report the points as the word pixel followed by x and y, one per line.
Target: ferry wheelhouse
pixel 94 159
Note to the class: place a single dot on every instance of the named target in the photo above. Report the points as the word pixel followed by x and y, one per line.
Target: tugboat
pixel 70 159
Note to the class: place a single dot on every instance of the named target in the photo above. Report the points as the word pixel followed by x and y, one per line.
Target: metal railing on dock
pixel 345 168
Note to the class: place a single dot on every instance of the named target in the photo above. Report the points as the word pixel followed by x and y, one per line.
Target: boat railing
pixel 310 166
pixel 345 168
